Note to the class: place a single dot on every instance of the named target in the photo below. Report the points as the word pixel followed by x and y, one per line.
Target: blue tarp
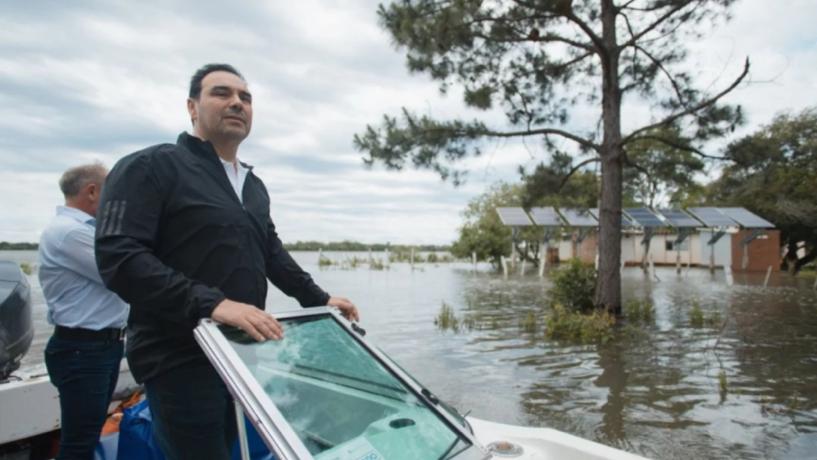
pixel 136 442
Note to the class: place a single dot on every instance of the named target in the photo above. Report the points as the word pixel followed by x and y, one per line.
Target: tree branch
pixel 575 169
pixel 545 131
pixel 692 109
pixel 679 146
pixel 665 72
pixel 655 24
pixel 549 38
pixel 571 16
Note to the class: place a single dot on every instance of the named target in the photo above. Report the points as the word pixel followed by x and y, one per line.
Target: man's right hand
pixel 259 324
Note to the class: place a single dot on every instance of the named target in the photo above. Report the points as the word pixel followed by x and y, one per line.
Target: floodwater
pixel 744 387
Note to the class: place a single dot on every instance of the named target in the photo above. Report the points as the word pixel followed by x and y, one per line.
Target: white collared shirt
pixel 72 287
pixel 237 174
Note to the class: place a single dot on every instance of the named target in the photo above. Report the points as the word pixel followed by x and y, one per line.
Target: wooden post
pixel 652 269
pixel 727 270
pixel 522 269
pixel 474 259
pixel 677 258
pixel 768 274
pixel 504 266
pixel 711 258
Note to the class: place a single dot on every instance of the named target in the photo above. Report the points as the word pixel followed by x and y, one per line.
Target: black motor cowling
pixel 16 329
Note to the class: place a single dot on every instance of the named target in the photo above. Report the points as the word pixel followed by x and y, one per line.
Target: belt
pixel 110 334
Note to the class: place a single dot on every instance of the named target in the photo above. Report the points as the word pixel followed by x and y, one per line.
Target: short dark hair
pixel 195 82
pixel 77 177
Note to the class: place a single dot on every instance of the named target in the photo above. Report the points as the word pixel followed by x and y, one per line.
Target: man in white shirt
pixel 84 353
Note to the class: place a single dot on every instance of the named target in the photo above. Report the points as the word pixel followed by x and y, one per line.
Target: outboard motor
pixel 16 330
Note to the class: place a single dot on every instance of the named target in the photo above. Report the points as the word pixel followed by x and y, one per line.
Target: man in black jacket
pixel 185 233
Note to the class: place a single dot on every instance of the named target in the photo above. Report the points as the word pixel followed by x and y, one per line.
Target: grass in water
pixel 529 323
pixel 27 268
pixel 699 318
pixel 723 385
pixel 594 327
pixel 446 319
pixel 324 261
pixel 696 315
pixel 641 311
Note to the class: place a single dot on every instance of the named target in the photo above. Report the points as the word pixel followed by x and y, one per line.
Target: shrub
pixel 563 324
pixel 573 286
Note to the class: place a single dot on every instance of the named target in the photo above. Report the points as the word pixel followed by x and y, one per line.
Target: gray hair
pixel 73 180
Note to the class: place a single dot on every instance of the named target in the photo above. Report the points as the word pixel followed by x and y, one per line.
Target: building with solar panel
pixel 713 237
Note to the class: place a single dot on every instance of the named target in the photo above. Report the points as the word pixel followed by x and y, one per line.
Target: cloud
pixel 93 80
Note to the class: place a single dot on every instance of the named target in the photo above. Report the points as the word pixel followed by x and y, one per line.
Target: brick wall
pixel 762 252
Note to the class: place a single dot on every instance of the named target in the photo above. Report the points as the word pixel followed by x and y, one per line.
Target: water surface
pixel 745 387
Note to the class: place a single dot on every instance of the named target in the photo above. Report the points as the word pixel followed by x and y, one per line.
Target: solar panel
pixel 546 217
pixel 513 217
pixel 625 221
pixel 644 217
pixel 712 217
pixel 679 219
pixel 745 218
pixel 578 217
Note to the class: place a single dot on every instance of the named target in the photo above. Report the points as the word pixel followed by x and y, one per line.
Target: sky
pixel 83 81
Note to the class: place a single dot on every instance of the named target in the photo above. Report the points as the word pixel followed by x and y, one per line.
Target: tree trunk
pixel 608 287
pixel 810 256
pixel 790 259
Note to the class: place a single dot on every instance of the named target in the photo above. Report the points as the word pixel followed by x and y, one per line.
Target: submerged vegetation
pixel 573 286
pixel 595 327
pixel 639 311
pixel 446 319
pixel 698 318
pixel 27 268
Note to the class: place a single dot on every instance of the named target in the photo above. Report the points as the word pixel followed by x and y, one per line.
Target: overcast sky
pixel 83 81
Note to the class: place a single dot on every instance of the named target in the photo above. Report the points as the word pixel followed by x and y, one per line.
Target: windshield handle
pixel 430 396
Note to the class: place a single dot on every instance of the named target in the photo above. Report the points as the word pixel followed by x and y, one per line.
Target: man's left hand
pixel 346 307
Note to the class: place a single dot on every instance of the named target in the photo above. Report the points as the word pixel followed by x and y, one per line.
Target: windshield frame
pixel 265 416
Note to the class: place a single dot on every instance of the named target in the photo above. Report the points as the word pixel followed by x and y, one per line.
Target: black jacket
pixel 173 240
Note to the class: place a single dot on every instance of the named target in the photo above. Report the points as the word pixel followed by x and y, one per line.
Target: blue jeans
pixel 85 374
pixel 193 413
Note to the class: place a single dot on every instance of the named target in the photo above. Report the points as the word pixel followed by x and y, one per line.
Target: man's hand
pixel 255 322
pixel 346 307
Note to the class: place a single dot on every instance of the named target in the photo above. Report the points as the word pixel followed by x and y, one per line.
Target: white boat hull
pixel 544 443
pixel 31 405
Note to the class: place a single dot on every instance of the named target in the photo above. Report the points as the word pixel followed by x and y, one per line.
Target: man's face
pixel 223 110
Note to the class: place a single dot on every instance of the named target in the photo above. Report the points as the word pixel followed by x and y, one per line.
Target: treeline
pixel 6 246
pixel 353 246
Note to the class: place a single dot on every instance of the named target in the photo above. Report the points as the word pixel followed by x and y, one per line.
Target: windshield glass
pixel 341 402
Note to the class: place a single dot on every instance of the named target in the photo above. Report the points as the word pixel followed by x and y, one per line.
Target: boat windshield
pixel 340 400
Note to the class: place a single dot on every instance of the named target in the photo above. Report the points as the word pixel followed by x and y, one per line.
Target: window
pixel 338 396
pixel 670 245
